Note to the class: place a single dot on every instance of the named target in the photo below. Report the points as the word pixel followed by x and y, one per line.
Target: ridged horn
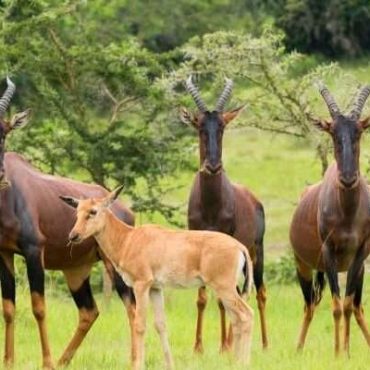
pixel 360 101
pixel 329 100
pixel 7 96
pixel 194 92
pixel 225 95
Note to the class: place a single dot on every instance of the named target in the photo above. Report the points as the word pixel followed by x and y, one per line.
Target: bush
pixel 281 271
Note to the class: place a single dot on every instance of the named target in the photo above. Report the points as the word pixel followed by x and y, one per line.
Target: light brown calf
pixel 148 258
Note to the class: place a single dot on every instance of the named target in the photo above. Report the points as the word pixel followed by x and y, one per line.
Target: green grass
pixel 107 345
pixel 276 169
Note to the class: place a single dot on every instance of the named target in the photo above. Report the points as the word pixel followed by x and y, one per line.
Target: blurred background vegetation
pixel 104 80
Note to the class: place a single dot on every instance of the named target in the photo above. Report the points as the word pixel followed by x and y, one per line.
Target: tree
pixel 333 27
pixel 278 89
pixel 96 115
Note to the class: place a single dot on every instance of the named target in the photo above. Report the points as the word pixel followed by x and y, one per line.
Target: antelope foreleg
pixel 36 278
pixel 87 310
pixel 8 297
pixel 201 305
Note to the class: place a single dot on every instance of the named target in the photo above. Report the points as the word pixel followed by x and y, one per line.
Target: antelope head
pixel 17 121
pixel 91 215
pixel 210 125
pixel 345 131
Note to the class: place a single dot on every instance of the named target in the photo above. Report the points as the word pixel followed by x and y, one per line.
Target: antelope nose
pixel 348 181
pixel 213 168
pixel 73 237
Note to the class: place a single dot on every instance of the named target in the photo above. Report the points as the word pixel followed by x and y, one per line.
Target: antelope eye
pixel 92 212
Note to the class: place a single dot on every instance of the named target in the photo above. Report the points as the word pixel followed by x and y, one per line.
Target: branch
pixel 63 52
pixel 117 105
pixel 277 130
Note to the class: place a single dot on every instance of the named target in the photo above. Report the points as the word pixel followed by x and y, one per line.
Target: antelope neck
pixel 112 237
pixel 212 189
pixel 349 198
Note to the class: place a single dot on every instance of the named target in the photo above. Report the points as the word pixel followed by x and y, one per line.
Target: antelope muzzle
pixel 74 237
pixel 348 181
pixel 213 169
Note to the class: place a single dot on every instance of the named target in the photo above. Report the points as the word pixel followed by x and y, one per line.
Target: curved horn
pixel 194 92
pixel 225 95
pixel 360 101
pixel 329 100
pixel 7 96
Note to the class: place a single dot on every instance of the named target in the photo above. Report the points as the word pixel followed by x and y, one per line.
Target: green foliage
pixel 104 106
pixel 281 271
pixel 276 85
pixel 166 24
pixel 96 113
pixel 333 27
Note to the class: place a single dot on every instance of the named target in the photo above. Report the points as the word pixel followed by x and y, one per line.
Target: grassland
pixel 107 345
pixel 276 169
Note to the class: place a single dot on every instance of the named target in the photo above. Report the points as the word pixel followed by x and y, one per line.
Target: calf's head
pixel 345 131
pixel 210 126
pixel 91 215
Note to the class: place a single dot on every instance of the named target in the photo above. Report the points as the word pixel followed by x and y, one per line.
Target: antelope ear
pixel 322 124
pixel 73 202
pixel 20 120
pixel 229 116
pixel 188 118
pixel 112 196
pixel 365 123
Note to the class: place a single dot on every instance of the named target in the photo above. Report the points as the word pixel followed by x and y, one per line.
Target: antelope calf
pixel 148 258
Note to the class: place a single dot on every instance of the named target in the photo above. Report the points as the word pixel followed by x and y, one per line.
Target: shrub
pixel 281 271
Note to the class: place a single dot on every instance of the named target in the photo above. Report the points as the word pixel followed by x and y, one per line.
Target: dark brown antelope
pixel 35 224
pixel 331 226
pixel 150 258
pixel 219 205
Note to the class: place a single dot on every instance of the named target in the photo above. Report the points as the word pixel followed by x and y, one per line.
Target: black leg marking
pixel 122 289
pixel 259 265
pixel 331 270
pixel 7 282
pixel 358 291
pixel 35 270
pixel 319 286
pixel 354 272
pixel 312 290
pixel 83 296
pixel 307 289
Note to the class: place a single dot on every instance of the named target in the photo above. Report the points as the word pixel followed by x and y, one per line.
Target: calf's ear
pixel 112 196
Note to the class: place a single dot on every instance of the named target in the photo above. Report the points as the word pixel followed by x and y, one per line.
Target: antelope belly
pixel 178 283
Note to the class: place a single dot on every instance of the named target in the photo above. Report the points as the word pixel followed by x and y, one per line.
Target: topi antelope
pixel 150 257
pixel 217 204
pixel 35 225
pixel 331 226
